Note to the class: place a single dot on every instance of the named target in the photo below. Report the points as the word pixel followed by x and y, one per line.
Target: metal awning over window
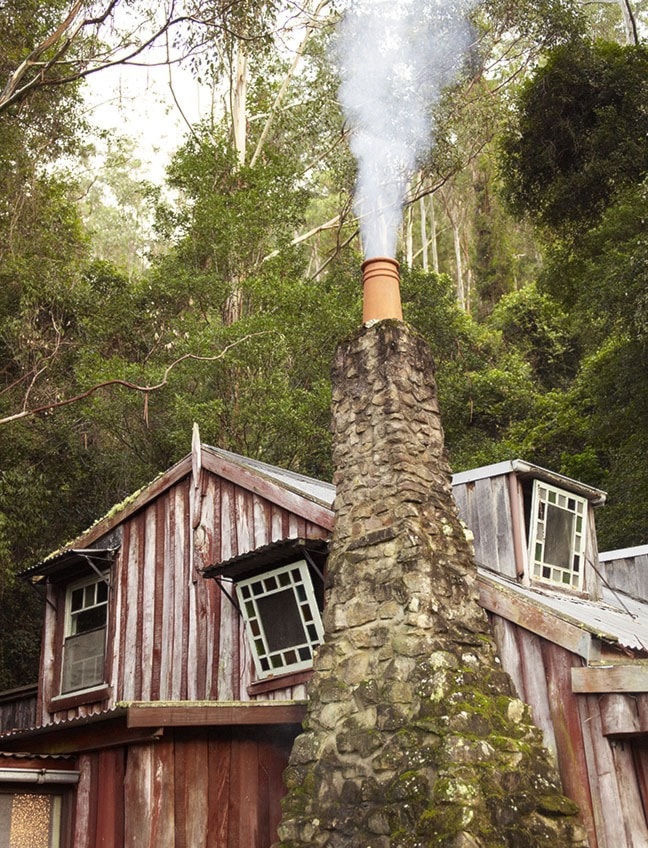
pixel 264 558
pixel 74 561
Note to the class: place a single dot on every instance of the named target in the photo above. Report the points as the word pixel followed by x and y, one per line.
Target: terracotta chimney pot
pixel 381 290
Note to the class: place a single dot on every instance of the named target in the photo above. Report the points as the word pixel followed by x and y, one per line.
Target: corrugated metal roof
pixel 78 721
pixel 24 755
pixel 309 487
pixel 266 555
pixel 616 618
pixel 61 561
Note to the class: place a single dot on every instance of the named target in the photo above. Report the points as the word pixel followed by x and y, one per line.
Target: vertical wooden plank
pixel 276 529
pixel 147 600
pixel 211 631
pixel 48 665
pixel 136 646
pixel 244 520
pixel 629 792
pixel 183 524
pixel 109 798
pixel 296 526
pixel 610 830
pixel 191 790
pixel 192 658
pixel 504 633
pixel 503 527
pixel 640 754
pixel 570 733
pixel 314 531
pixel 219 768
pixel 228 664
pixel 162 794
pixel 160 566
pixel 137 795
pixel 83 823
pixel 262 520
pixel 485 499
pixel 244 794
pixel 277 746
pixel 227 522
pixel 213 638
pixel 178 604
pixel 129 612
pixel 167 590
pixel 535 684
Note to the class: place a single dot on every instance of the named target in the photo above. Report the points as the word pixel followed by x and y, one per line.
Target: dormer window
pixel 279 592
pixel 282 619
pixel 557 536
pixel 86 617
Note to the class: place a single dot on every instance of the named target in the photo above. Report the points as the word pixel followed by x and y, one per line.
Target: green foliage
pixel 579 136
pixel 534 324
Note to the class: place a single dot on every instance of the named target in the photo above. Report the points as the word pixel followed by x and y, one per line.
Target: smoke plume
pixel 394 58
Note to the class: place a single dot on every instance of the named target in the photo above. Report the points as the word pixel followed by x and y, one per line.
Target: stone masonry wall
pixel 413 735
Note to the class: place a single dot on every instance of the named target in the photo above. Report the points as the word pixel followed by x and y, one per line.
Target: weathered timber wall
pixel 628 574
pixel 200 788
pixel 18 708
pixel 172 634
pixel 602 774
pixel 485 506
pixel 413 735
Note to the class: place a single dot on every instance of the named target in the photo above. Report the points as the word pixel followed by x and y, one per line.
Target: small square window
pixel 557 537
pixel 282 619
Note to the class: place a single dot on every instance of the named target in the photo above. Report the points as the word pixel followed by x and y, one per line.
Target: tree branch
pixel 127 384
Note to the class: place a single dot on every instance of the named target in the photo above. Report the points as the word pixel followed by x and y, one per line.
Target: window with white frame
pixel 282 619
pixel 557 536
pixel 86 617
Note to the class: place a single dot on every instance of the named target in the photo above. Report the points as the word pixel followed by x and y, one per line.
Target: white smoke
pixel 394 58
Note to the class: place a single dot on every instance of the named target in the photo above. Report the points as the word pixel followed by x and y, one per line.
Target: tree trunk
pixel 456 238
pixel 425 254
pixel 629 22
pixel 238 103
pixel 409 236
pixel 433 239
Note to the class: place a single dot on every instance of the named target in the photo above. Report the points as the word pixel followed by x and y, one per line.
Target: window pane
pixel 282 622
pixel 77 599
pixel 558 537
pixel 89 619
pixel 102 592
pixel 29 820
pixel 83 660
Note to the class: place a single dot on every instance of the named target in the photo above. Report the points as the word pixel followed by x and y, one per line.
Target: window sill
pixel 76 699
pixel 281 681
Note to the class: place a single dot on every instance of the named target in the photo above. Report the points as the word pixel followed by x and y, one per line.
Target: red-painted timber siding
pixel 174 635
pixel 197 788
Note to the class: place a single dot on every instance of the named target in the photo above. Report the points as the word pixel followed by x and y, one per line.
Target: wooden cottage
pixel 179 633
pixel 148 686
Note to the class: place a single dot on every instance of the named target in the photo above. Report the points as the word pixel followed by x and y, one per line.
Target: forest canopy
pixel 131 308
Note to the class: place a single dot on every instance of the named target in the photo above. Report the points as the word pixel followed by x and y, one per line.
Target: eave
pixel 144 721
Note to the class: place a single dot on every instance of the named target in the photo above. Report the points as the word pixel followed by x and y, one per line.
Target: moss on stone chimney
pixel 413 736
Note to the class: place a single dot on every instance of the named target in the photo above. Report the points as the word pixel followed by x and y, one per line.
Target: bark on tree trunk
pixel 425 254
pixel 238 100
pixel 433 239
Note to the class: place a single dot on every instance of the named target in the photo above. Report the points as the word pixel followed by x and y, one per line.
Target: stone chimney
pixel 413 735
